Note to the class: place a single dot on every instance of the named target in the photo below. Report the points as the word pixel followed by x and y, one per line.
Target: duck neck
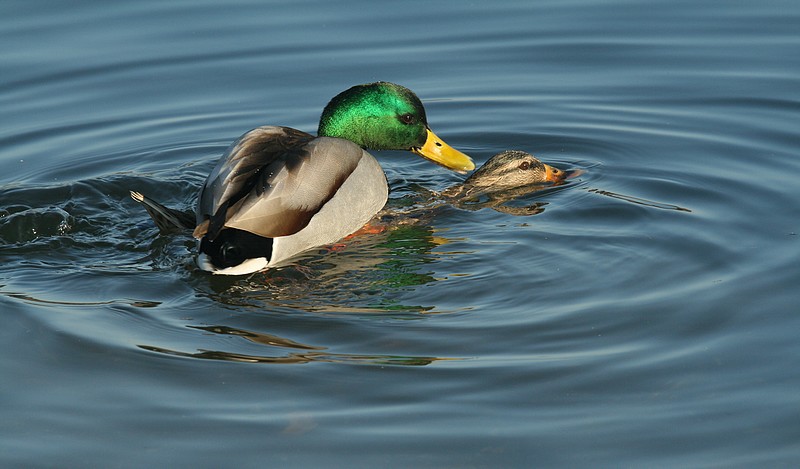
pixel 349 126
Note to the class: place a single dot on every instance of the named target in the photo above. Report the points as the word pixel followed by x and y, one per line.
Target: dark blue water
pixel 647 316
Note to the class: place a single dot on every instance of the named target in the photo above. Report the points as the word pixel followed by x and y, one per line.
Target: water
pixel 610 329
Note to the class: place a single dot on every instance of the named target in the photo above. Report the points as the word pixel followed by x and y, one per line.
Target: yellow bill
pixel 436 150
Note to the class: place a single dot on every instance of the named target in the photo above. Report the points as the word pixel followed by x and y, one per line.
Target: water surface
pixel 644 314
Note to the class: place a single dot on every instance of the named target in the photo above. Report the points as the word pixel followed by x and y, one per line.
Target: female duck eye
pixel 407 118
pixel 524 165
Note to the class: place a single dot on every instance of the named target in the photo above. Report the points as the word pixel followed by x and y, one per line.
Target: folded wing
pixel 272 181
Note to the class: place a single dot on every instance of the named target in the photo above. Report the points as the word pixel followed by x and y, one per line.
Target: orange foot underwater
pixel 365 230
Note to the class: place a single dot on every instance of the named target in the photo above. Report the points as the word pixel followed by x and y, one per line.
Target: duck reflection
pixel 359 275
pixel 355 277
pixel 302 353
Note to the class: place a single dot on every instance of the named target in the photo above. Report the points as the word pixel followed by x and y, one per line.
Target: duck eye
pixel 407 118
pixel 524 165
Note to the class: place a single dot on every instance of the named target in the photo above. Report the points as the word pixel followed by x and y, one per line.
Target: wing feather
pixel 291 191
pixel 272 181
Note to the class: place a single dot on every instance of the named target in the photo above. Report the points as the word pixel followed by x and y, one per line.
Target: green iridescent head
pixel 386 116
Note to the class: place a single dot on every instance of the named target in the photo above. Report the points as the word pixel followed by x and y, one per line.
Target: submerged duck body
pixel 278 191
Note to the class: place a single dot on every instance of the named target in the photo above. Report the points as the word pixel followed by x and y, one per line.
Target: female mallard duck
pixel 507 171
pixel 277 191
pixel 506 177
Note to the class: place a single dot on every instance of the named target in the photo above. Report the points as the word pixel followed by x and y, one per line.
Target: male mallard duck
pixel 277 191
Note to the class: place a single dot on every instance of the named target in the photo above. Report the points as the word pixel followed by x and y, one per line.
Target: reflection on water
pixel 359 274
pixel 352 277
pixel 639 200
pixel 256 337
pixel 293 358
pixel 309 354
pixel 33 299
pixel 508 201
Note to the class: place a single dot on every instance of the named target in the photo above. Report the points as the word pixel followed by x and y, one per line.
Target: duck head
pixel 386 116
pixel 514 168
